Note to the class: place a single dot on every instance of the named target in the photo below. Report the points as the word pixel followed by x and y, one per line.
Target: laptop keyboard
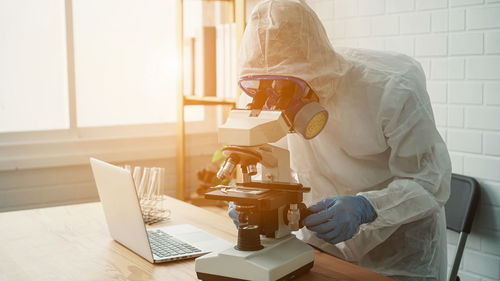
pixel 164 245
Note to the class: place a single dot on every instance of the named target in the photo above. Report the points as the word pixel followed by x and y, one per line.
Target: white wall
pixel 33 186
pixel 458 44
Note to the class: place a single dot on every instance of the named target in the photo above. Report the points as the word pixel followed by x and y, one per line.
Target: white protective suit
pixel 380 141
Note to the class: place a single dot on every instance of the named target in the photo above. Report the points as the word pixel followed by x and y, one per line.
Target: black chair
pixel 460 210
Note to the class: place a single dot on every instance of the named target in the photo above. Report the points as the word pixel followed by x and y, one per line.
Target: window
pixel 124 64
pixel 108 89
pixel 33 70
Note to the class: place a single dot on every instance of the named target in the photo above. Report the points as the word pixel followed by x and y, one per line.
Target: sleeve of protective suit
pixel 419 162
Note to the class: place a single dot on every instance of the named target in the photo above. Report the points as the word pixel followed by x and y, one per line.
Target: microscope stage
pixel 263 199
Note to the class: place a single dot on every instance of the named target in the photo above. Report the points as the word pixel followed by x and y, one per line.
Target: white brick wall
pixel 397 6
pixel 447 68
pixel 439 21
pixel 456 19
pixel 492 93
pixel 483 118
pixel 371 7
pixel 430 4
pixel 345 8
pixel 358 27
pixel 458 44
pixel 431 45
pixel 464 141
pixel 385 25
pixel 455 3
pixel 491 147
pixel 455 117
pixel 492 42
pixel 466 43
pixel 415 23
pixel 483 67
pixel 437 91
pixel 483 17
pixel 465 92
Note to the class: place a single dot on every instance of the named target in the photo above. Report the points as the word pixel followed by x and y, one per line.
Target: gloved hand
pixel 233 214
pixel 336 219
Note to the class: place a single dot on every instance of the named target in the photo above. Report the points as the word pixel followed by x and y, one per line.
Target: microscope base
pixel 280 259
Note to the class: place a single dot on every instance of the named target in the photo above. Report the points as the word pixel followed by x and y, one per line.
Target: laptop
pixel 123 214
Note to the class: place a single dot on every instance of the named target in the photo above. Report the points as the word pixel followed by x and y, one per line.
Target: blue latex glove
pixel 233 214
pixel 336 219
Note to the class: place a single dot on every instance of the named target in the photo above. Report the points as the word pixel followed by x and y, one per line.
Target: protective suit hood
pixel 285 37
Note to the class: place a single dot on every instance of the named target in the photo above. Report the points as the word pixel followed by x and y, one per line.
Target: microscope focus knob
pixel 242 217
pixel 248 238
pixel 303 210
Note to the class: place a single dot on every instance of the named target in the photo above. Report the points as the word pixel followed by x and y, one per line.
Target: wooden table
pixel 73 243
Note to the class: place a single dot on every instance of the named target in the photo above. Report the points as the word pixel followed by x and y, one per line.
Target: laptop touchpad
pixel 197 237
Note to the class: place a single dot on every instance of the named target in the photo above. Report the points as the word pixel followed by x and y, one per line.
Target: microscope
pixel 268 200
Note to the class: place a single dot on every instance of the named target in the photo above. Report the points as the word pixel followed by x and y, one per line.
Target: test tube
pixel 144 182
pixel 137 176
pixel 152 183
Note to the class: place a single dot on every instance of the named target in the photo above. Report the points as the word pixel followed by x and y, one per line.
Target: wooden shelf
pixel 238 17
pixel 195 100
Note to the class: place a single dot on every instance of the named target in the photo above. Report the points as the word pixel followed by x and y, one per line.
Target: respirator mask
pixel 290 95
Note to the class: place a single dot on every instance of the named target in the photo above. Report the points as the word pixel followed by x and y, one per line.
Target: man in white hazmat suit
pixel 379 170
